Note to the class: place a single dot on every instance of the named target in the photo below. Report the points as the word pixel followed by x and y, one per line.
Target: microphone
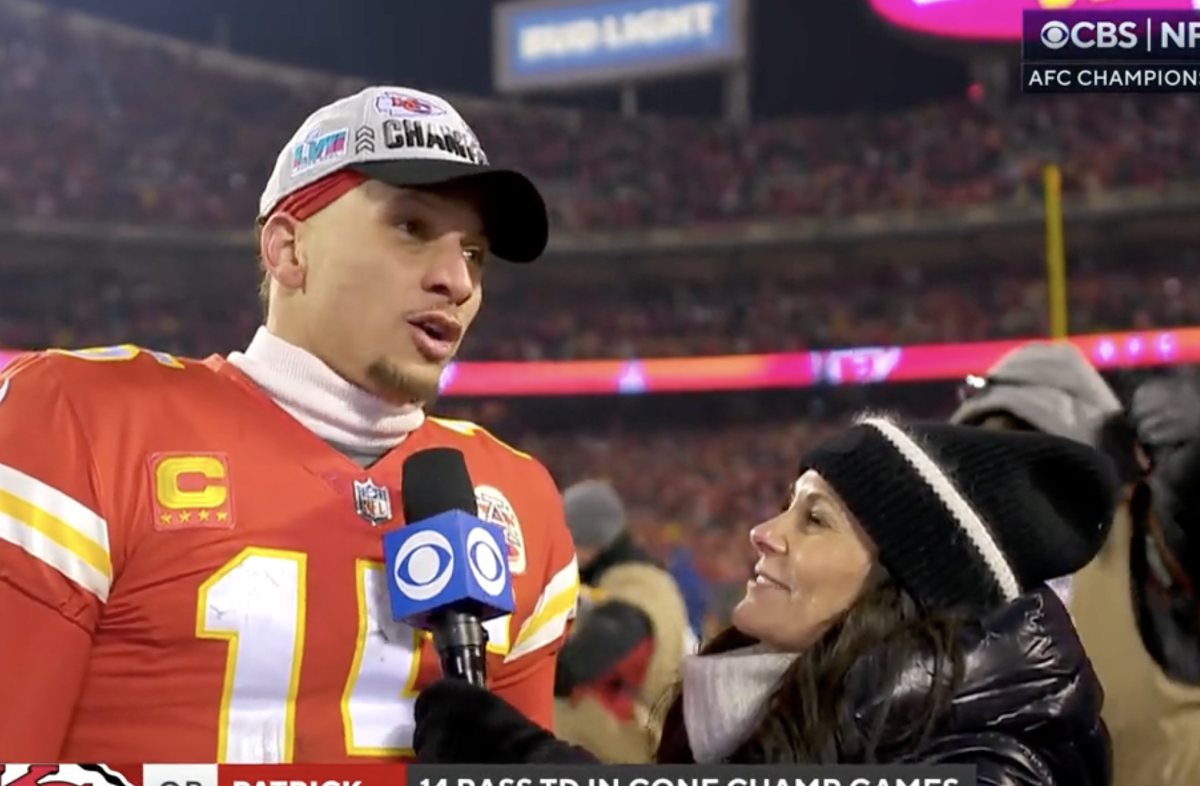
pixel 447 569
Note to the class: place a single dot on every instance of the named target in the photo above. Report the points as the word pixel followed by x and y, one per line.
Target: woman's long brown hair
pixel 809 719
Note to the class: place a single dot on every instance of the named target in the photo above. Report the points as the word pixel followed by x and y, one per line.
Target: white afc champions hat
pixel 408 138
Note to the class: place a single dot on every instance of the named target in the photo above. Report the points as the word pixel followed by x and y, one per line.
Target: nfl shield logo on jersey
pixel 61 775
pixel 372 502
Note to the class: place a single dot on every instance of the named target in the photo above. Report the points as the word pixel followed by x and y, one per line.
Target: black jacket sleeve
pixel 1002 760
pixel 603 639
pixel 458 723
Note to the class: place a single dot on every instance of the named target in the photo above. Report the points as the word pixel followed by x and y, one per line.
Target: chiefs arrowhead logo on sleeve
pixel 61 775
pixel 495 507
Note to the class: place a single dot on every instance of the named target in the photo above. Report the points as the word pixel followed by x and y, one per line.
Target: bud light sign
pixel 998 20
pixel 539 44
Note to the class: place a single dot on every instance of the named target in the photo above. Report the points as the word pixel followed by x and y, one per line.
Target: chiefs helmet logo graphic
pixel 61 775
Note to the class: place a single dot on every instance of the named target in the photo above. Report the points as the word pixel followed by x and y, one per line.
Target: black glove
pixel 458 723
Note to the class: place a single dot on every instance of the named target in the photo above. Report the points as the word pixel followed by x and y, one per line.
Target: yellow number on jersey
pixel 256 604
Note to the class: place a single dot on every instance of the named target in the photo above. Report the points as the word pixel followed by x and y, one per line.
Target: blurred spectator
pixel 624 652
pixel 681 564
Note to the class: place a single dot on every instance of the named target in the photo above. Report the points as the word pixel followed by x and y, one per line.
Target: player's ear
pixel 277 246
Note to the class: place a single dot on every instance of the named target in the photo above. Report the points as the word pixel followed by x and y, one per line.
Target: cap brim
pixel 514 214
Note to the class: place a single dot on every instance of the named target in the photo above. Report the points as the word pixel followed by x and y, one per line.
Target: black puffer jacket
pixel 1027 712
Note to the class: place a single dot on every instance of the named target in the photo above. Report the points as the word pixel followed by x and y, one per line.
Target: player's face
pixel 392 281
pixel 814 562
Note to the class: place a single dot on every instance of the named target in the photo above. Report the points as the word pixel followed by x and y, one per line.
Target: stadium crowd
pixel 154 136
pixel 646 316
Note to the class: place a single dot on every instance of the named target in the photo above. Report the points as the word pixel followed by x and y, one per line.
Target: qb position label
pixel 179 775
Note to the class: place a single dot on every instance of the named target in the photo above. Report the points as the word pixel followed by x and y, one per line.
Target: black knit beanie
pixel 969 517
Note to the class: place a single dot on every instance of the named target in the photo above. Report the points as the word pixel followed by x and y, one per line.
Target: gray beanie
pixel 595 514
pixel 1050 386
pixel 1166 411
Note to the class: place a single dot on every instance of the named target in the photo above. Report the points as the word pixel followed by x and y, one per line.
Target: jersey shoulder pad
pixel 29 386
pixel 122 363
pixel 473 431
pixel 125 357
pixel 21 362
pixel 43 369
pixel 116 377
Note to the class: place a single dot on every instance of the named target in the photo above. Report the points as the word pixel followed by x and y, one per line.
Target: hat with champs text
pixel 408 138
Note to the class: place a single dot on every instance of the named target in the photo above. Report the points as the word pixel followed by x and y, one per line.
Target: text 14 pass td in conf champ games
pixel 690 775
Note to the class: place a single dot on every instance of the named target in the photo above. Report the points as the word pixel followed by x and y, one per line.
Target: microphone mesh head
pixel 436 481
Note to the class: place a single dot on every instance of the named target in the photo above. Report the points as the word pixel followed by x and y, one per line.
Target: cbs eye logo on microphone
pixel 424 565
pixel 1110 51
pixel 450 561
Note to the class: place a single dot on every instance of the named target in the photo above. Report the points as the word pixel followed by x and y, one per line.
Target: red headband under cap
pixel 318 195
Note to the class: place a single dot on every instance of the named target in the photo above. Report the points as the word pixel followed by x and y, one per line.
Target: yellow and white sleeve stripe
pixel 554 610
pixel 55 529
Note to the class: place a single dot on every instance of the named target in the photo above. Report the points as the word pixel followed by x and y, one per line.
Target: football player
pixel 190 552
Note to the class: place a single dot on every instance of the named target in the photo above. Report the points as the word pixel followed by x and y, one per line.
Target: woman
pixel 897 613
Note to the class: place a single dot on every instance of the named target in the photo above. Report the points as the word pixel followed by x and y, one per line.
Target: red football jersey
pixel 187 574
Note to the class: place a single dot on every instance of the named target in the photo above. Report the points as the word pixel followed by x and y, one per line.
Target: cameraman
pixel 1134 606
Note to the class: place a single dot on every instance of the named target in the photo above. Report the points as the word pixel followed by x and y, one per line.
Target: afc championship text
pixel 1109 78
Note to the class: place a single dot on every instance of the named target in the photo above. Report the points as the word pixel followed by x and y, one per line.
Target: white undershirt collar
pixel 335 410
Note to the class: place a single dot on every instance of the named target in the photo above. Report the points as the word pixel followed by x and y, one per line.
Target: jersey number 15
pixel 246 602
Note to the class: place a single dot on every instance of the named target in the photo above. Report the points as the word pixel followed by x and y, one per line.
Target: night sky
pixel 811 56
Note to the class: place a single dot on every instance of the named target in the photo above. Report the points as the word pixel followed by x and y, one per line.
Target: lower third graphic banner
pixel 689 775
pixel 475 775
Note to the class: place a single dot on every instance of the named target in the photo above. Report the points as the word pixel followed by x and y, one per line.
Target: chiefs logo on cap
pixel 406 105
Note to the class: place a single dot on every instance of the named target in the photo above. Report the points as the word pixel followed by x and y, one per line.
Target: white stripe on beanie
pixel 964 515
